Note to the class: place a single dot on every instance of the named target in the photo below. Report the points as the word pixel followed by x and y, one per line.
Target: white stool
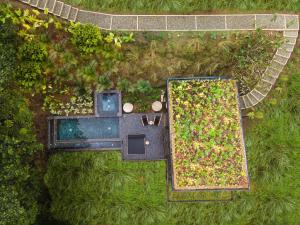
pixel 156 106
pixel 127 107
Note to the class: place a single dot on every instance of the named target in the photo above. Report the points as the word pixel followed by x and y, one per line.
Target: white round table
pixel 127 107
pixel 156 106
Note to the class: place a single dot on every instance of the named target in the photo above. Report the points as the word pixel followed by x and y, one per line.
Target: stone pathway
pixel 288 24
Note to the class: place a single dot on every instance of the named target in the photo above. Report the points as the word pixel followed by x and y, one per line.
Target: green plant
pixel 86 37
pixel 33 51
pixel 143 87
pixel 32 57
pixel 20 185
pixel 123 85
pixel 28 21
pixel 205 153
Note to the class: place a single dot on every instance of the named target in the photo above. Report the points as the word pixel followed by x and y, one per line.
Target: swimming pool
pixel 87 128
pixel 107 103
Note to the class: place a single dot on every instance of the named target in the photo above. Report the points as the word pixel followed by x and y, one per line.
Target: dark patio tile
pixel 131 125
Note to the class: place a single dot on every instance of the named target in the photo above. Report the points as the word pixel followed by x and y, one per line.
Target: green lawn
pixel 183 6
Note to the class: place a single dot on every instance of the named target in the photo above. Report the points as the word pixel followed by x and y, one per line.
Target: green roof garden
pixel 206 135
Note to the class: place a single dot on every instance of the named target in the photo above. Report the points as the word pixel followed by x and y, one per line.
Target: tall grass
pixel 183 6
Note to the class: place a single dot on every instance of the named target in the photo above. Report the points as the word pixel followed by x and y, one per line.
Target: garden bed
pixel 207 146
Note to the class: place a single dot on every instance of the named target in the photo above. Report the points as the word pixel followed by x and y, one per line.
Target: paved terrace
pixel 287 23
pixel 131 124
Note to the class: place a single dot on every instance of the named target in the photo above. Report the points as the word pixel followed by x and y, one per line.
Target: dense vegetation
pixel 90 188
pixel 207 142
pixel 182 6
pixel 20 181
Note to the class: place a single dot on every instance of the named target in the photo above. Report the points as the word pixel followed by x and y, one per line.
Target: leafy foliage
pixel 86 37
pixel 18 176
pixel 207 144
pixel 33 51
pixel 32 56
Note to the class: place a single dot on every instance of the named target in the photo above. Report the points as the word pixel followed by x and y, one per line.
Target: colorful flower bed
pixel 206 135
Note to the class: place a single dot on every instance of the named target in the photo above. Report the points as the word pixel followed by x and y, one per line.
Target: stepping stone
pixel 283 52
pixel 290 40
pixel 152 23
pixel 292 22
pixel 50 5
pixel 247 102
pixel 290 34
pixel 271 72
pixel 124 23
pixel 73 14
pixel 282 60
pixel 269 79
pixel 65 11
pixel 210 22
pixel 58 8
pixel 263 87
pixel 242 103
pixel 252 99
pixel 99 19
pixel 240 22
pixel 257 94
pixel 180 23
pixel 270 21
pixel 42 4
pixel 288 47
pixel 33 2
pixel 277 66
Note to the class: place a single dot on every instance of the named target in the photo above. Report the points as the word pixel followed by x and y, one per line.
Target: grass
pixel 78 181
pixel 182 6
pixel 102 189
pixel 239 55
pixel 206 135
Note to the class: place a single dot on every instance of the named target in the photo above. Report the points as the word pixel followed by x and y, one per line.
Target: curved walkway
pixel 287 23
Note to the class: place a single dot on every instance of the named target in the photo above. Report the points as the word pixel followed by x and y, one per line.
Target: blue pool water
pixel 87 128
pixel 108 102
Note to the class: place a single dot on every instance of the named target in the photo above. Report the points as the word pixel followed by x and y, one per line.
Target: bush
pixel 29 74
pixel 32 56
pixel 85 37
pixel 33 51
pixel 143 87
pixel 123 85
pixel 8 53
pixel 20 184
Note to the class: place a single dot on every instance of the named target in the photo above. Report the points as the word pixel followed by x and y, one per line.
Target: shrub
pixel 143 87
pixel 123 85
pixel 29 74
pixel 32 56
pixel 85 37
pixel 20 186
pixel 33 51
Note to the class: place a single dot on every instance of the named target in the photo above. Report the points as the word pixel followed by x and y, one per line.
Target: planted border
pixel 207 146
